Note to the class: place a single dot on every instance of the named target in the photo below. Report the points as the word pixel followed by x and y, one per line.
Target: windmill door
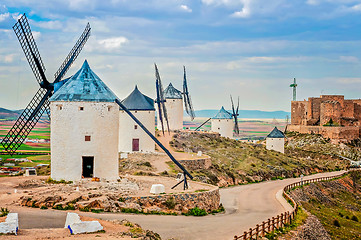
pixel 88 167
pixel 135 145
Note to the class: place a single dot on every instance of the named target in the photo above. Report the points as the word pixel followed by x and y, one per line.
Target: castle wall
pixel 70 123
pixel 298 112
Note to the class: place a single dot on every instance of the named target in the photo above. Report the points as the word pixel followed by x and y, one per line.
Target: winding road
pixel 245 205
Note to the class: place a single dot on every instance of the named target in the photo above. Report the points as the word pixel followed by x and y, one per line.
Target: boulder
pixel 157 189
pixel 11 224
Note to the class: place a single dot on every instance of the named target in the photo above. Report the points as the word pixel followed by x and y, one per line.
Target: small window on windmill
pixel 87 138
pixel 219 128
pixel 60 107
pixel 109 107
pixel 135 126
pixel 173 100
pixel 219 120
pixel 81 108
pixel 135 111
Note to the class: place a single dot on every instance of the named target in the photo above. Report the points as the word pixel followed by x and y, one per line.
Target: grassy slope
pixel 239 162
pixel 336 200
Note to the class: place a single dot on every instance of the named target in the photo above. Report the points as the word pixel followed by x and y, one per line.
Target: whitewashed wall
pixel 223 127
pixel 276 144
pixel 127 131
pixel 69 126
pixel 175 115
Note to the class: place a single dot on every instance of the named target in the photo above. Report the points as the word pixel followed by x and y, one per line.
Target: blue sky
pixel 247 48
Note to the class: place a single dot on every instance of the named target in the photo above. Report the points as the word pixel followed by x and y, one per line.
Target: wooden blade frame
pixel 187 98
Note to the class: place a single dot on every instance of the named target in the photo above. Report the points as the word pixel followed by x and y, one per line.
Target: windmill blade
pixel 202 124
pixel 235 116
pixel 162 111
pixel 73 54
pixel 27 43
pixel 26 121
pixel 187 98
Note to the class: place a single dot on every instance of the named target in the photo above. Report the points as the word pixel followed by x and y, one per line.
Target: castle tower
pixel 276 141
pixel 223 123
pixel 131 137
pixel 84 128
pixel 174 106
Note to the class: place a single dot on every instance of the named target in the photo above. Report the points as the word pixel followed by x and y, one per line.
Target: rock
pixel 157 189
pixel 11 224
pixel 76 226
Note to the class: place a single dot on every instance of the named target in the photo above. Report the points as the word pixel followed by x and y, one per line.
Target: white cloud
pixel 36 35
pixel 9 58
pixel 113 43
pixel 4 16
pixel 185 8
pixel 49 24
pixel 350 59
pixel 244 13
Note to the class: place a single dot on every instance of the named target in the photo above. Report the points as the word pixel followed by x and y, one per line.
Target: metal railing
pixel 281 220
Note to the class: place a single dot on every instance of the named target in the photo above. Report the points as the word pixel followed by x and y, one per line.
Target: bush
pixel 336 223
pixel 96 210
pixel 170 203
pixel 4 212
pixel 196 212
pixel 354 218
pixel 43 207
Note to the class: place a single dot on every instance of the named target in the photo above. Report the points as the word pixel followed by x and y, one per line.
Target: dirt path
pixel 245 206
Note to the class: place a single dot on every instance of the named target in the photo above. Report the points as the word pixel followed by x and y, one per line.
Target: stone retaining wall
pixel 196 164
pixel 207 200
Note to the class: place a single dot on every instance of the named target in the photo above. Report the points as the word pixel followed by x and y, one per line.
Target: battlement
pixel 322 114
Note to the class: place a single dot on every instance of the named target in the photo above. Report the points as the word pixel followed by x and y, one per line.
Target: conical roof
pixel 84 86
pixel 223 114
pixel 172 92
pixel 138 101
pixel 276 134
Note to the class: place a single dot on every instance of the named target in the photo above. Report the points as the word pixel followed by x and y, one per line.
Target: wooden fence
pixel 285 218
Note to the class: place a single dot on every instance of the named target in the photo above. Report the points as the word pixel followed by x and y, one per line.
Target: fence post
pixel 250 233
pixel 235 237
pixel 244 235
pixel 278 221
pixel 257 229
pixel 269 225
pixel 282 223
pixel 263 223
pixel 273 223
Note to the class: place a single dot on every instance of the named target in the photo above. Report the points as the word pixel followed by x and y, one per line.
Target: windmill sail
pixel 40 102
pixel 187 98
pixel 162 111
pixel 235 116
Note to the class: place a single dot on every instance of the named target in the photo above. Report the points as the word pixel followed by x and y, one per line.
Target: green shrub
pixel 121 199
pixel 336 223
pixel 130 210
pixel 354 218
pixel 170 203
pixel 4 212
pixel 84 209
pixel 96 210
pixel 43 207
pixel 196 212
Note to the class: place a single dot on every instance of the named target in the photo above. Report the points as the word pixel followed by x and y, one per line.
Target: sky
pixel 247 48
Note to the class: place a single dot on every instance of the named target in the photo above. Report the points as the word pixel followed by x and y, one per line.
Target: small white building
pixel 174 105
pixel 276 141
pixel 222 123
pixel 132 137
pixel 84 128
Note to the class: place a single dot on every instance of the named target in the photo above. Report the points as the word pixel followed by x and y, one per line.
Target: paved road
pixel 245 206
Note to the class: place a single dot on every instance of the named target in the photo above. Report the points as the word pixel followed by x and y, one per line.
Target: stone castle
pixel 332 116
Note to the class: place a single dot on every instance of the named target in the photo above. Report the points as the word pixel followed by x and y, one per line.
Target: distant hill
pixel 257 114
pixel 6 114
pixel 9 115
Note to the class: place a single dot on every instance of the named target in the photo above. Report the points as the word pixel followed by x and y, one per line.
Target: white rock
pixel 77 226
pixel 199 153
pixel 157 189
pixel 10 225
pixel 71 218
pixel 123 155
pixel 86 227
